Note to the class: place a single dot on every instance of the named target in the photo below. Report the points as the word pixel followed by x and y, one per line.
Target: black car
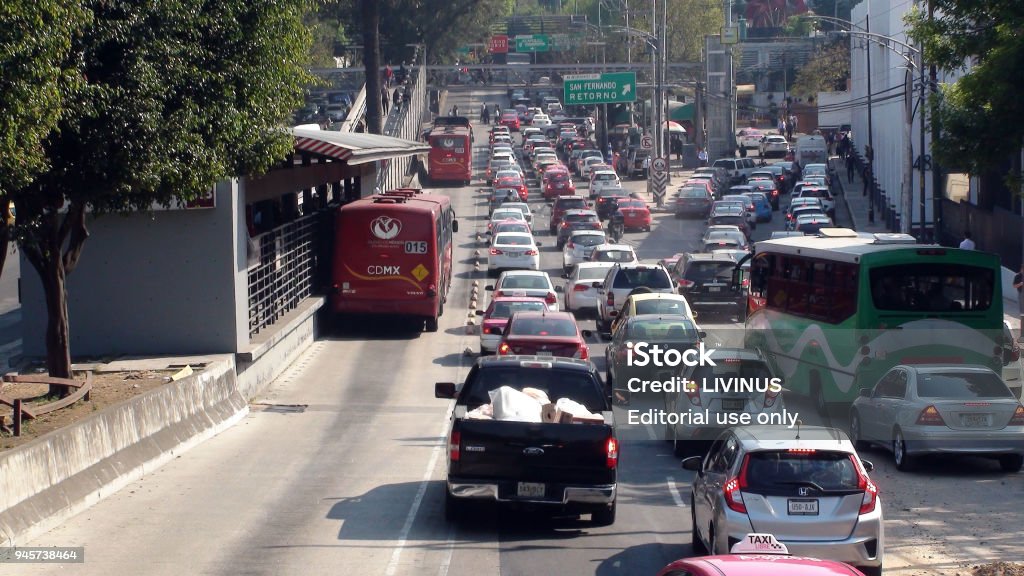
pixel 574 220
pixel 706 281
pixel 692 200
pixel 731 218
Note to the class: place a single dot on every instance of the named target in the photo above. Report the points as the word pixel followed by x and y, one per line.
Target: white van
pixel 811 150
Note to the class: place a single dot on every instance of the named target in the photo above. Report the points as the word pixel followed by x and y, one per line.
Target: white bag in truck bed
pixel 578 411
pixel 512 405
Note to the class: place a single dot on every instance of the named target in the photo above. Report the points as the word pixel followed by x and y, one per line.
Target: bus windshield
pixel 932 288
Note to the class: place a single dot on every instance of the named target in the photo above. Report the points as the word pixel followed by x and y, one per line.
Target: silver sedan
pixel 916 410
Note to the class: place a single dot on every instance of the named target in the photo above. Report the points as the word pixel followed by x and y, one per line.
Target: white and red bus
pixel 393 256
pixel 451 154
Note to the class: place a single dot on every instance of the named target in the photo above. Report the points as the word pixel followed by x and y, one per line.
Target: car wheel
pixel 904 462
pixel 604 516
pixel 699 549
pixel 855 432
pixel 1011 462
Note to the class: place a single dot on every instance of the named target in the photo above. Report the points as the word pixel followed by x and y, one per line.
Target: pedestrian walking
pixel 397 100
pixel 485 114
pixel 702 156
pixel 967 243
pixel 867 179
pixel 389 76
pixel 782 126
pixel 455 110
pixel 851 165
pixel 385 100
pixel 789 128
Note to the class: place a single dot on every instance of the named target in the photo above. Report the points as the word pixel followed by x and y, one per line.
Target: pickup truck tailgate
pixel 528 452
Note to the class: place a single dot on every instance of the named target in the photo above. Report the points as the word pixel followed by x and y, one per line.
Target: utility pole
pixel 921 155
pixel 938 192
pixel 871 138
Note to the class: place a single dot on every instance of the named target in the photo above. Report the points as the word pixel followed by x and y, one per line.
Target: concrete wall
pixel 64 472
pixel 164 282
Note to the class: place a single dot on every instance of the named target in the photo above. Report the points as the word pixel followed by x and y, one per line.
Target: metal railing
pixel 406 123
pixel 284 275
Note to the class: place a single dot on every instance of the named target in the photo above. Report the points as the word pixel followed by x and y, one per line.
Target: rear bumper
pixel 385 307
pixel 862 548
pixel 954 442
pixel 556 494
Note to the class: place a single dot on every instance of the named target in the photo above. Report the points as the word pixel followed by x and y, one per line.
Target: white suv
pixel 623 279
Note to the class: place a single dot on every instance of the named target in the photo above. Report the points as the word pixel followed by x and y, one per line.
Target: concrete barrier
pixel 60 474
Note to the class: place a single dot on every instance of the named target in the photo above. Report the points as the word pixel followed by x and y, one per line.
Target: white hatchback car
pixel 513 251
pixel 541 120
pixel 614 253
pixel 580 293
pixel 603 180
pixel 579 246
pixel 522 207
pixel 529 283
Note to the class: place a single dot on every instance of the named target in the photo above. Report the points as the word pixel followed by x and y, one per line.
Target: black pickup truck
pixel 569 467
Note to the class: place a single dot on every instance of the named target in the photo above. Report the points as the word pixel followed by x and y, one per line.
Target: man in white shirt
pixel 967 243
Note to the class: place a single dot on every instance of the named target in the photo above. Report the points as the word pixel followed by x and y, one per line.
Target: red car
pixel 496 317
pixel 513 182
pixel 559 183
pixel 635 214
pixel 758 555
pixel 510 119
pixel 544 334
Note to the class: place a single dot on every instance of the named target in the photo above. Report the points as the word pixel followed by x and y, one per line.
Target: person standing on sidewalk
pixel 967 243
pixel 851 166
pixel 867 179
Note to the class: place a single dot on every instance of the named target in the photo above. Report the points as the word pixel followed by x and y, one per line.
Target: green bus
pixel 833 312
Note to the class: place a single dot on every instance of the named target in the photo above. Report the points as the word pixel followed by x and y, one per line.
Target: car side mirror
pixel 702 334
pixel 693 463
pixel 868 465
pixel 539 244
pixel 480 312
pixel 444 390
pixel 559 289
pixel 489 287
pixel 620 396
pixel 587 333
pixel 597 285
pixel 865 392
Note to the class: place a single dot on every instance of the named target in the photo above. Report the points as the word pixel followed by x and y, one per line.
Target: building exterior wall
pixel 161 282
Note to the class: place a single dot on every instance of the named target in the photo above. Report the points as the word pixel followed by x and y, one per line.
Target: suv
pixel 808 488
pixel 620 281
pixel 738 168
pixel 561 206
pixel 706 281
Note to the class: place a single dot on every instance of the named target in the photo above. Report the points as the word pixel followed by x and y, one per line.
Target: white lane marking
pixel 449 549
pixel 650 432
pixel 418 500
pixel 674 491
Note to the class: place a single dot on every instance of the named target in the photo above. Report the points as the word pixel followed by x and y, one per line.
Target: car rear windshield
pixel 614 256
pixel 815 193
pixel 508 240
pixel 580 217
pixel 964 385
pixel 525 281
pixel 655 278
pixel 631 204
pixel 733 220
pixel 540 326
pixel 574 204
pixel 588 239
pixel 693 193
pixel 699 271
pixel 778 469
pixel 505 309
pixel 660 306
pixel 593 273
pixel 604 177
pixel 732 368
pixel 556 383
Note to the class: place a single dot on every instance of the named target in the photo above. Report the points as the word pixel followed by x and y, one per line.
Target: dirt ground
pixel 108 388
pixel 998 569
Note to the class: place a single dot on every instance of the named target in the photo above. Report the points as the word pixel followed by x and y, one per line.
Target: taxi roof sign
pixel 759 544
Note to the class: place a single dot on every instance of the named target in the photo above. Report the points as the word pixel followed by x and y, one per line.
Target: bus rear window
pixel 932 288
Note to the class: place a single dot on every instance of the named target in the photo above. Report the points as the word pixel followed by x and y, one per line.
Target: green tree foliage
pixel 176 96
pixel 979 114
pixel 443 25
pixel 826 71
pixel 35 41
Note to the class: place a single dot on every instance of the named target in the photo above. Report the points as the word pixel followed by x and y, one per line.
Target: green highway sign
pixel 607 88
pixel 533 43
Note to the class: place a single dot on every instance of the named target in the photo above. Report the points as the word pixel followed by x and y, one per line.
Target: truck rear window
pixel 571 384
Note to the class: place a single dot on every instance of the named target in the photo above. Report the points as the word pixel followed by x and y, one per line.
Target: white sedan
pixel 579 246
pixel 621 253
pixel 513 251
pixel 541 120
pixel 527 283
pixel 773 146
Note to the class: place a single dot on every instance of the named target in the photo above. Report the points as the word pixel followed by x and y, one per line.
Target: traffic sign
pixel 730 35
pixel 659 165
pixel 606 88
pixel 658 182
pixel 532 43
pixel 647 142
pixel 499 44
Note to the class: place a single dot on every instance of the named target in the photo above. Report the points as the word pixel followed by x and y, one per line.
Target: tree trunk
pixel 371 61
pixel 58 345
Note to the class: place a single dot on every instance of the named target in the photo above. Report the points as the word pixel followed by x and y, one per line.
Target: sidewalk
pixel 853 212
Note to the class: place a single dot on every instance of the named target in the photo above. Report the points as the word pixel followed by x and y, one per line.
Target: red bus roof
pixel 450 131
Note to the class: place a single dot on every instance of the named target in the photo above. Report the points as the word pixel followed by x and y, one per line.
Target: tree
pixel 35 40
pixel 370 10
pixel 827 70
pixel 980 113
pixel 175 97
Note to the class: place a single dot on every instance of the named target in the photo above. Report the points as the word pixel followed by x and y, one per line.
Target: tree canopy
pixel 980 113
pixel 175 96
pixel 826 71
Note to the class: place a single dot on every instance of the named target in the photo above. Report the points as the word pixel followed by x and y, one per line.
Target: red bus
pixel 451 154
pixel 393 255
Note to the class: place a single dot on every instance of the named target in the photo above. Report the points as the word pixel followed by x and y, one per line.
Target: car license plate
pixel 803 507
pixel 714 288
pixel 544 353
pixel 733 403
pixel 513 254
pixel 530 490
pixel 974 420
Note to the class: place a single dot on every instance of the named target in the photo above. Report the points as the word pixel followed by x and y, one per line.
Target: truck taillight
pixel 454 446
pixel 1018 417
pixel 930 417
pixel 610 301
pixel 870 499
pixel 611 447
